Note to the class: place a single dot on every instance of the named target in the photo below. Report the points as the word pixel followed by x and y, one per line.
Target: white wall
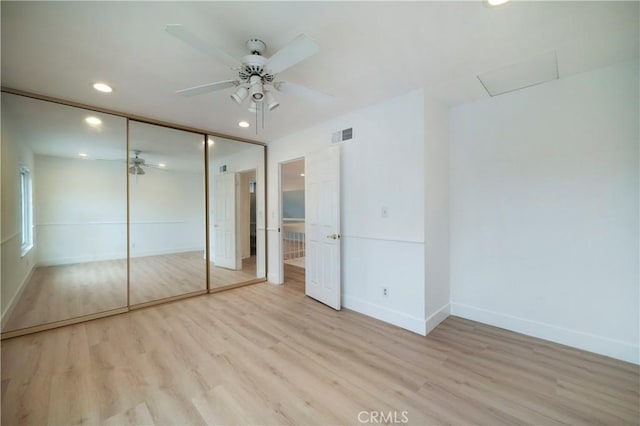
pixel 81 211
pixel 544 211
pixel 436 174
pixel 15 267
pixel 293 185
pixel 382 167
pixel 167 212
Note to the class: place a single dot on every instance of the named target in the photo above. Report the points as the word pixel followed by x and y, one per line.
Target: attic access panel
pixel 530 72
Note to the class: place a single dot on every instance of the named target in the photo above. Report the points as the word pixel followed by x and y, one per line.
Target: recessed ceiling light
pixel 102 87
pixel 83 155
pixel 243 124
pixel 302 174
pixel 496 2
pixel 162 165
pixel 94 121
pixel 211 141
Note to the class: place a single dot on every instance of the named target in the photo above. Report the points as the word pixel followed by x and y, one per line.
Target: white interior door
pixel 322 226
pixel 225 253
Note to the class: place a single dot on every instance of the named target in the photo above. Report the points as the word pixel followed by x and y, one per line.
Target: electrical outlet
pixel 385 291
pixel 384 212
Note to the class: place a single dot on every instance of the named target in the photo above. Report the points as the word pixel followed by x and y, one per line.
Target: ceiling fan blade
pixel 205 88
pixel 120 160
pixel 305 92
pixel 297 50
pixel 154 166
pixel 194 41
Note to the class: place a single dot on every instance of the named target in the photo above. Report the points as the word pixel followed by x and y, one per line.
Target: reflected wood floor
pixel 266 354
pixel 61 292
pixel 222 277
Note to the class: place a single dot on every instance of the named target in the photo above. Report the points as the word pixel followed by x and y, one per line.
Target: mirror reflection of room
pixel 237 233
pixel 167 212
pixel 63 212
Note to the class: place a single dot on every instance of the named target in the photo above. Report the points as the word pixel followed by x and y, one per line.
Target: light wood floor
pixel 266 354
pixel 297 261
pixel 57 293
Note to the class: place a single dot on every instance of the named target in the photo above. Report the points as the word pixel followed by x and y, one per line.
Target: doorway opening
pixel 246 203
pixel 292 196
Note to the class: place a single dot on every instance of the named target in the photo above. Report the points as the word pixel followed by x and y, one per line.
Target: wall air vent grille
pixel 342 135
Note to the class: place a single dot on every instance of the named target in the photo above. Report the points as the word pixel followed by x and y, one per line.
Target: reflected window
pixel 26 209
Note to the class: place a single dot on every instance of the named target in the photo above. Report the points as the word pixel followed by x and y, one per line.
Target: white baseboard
pixel 175 250
pixel 80 259
pixel 274 278
pixel 588 342
pixel 408 322
pixel 114 256
pixel 436 318
pixel 12 303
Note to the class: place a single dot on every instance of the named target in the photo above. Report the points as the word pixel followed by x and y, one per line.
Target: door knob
pixel 333 236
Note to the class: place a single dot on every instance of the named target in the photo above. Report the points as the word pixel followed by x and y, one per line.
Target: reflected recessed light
pixel 102 87
pixel 243 124
pixel 302 174
pixel 496 2
pixel 211 141
pixel 94 121
pixel 162 165
pixel 83 155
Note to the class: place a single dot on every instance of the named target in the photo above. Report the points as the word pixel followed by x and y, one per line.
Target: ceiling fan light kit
pixel 271 101
pixel 255 88
pixel 136 170
pixel 137 163
pixel 256 74
pixel 240 94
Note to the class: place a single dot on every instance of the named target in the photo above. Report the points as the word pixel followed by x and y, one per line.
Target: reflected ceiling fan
pixel 137 164
pixel 257 75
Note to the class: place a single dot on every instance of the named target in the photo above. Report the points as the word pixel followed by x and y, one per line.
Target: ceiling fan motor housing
pixel 256 46
pixel 254 64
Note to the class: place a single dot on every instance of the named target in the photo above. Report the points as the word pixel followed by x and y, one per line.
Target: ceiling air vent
pixel 342 135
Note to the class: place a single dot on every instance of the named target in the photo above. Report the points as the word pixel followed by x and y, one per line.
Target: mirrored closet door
pixel 237 215
pixel 166 213
pixel 64 212
pixel 102 214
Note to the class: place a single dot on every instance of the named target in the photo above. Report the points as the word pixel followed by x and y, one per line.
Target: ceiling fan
pixel 137 163
pixel 256 74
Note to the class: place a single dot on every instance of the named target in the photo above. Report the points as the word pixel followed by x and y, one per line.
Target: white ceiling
pixel 369 51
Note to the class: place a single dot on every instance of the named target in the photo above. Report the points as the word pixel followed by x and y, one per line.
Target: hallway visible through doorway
pixel 293 218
